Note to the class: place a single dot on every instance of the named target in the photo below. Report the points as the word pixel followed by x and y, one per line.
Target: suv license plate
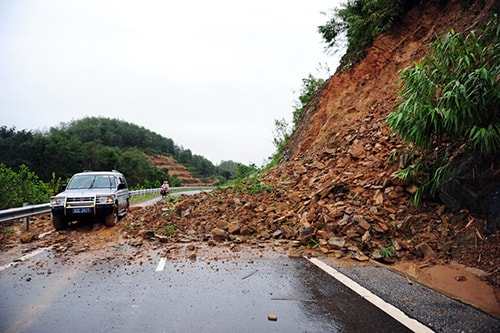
pixel 82 210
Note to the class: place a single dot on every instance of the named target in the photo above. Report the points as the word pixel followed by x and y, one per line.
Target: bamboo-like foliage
pixel 452 98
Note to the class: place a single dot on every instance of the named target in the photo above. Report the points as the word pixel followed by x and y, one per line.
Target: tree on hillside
pixel 101 157
pixel 310 86
pixel 450 107
pixel 14 146
pixel 228 169
pixel 282 130
pixel 61 153
pixel 361 21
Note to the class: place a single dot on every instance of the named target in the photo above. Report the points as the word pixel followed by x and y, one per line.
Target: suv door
pixel 122 195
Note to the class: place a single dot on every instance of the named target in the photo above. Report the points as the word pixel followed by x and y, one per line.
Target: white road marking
pixel 25 257
pixel 161 264
pixel 391 310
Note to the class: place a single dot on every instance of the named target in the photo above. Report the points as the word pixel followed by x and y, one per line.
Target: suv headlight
pixel 57 201
pixel 105 199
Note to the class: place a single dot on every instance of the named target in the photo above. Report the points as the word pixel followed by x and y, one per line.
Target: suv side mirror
pixel 121 186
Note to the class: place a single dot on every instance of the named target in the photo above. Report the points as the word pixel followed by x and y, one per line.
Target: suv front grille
pixel 80 199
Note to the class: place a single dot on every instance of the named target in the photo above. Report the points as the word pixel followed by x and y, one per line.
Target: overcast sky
pixel 211 75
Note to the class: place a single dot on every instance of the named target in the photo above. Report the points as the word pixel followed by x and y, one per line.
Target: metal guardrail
pixel 26 211
pixel 171 190
pixel 21 212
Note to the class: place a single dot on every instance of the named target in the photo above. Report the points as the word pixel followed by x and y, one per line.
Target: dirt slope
pixel 180 171
pixel 345 133
pixel 340 151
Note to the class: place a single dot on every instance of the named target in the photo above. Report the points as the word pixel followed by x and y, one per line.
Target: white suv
pixel 90 195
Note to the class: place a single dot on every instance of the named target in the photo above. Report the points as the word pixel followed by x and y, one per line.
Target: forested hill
pixel 96 143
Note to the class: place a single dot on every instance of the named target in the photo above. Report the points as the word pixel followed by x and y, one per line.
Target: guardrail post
pixel 25 219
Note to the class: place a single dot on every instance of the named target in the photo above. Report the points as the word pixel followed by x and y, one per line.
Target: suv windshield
pixel 91 181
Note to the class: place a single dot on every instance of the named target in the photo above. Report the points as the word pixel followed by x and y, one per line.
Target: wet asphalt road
pixel 42 295
pixel 51 294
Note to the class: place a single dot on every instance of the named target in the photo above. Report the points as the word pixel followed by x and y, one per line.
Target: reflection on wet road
pixel 235 295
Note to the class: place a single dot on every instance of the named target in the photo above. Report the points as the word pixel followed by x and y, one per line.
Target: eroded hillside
pixel 178 170
pixel 340 155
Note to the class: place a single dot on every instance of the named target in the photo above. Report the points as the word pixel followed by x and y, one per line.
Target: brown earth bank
pixel 333 195
pixel 176 169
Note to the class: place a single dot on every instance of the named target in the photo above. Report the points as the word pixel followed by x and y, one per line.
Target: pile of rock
pixel 343 201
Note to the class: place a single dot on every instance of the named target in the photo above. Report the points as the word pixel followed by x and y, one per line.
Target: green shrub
pixel 247 180
pixel 282 129
pixel 360 21
pixel 310 86
pixel 170 229
pixel 23 186
pixel 450 105
pixel 387 252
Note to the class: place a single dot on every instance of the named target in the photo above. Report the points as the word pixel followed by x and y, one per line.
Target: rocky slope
pixel 340 155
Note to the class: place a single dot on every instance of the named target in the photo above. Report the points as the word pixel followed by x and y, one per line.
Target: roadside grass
pixel 170 229
pixel 7 230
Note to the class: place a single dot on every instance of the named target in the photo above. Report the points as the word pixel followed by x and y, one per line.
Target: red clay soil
pixel 180 171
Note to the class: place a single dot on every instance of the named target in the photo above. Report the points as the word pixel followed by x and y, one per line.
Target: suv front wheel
pixel 59 223
pixel 111 219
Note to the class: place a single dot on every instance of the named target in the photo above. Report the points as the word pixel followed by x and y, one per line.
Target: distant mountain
pixel 97 143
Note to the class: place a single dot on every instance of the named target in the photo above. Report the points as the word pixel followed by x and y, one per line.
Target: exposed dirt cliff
pixel 340 155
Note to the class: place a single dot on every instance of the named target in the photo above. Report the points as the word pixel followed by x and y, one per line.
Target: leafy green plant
pixel 22 186
pixel 170 229
pixel 167 212
pixel 7 230
pixel 282 129
pixel 130 226
pixel 314 243
pixel 248 180
pixel 257 186
pixel 282 132
pixel 450 106
pixel 310 86
pixel 387 252
pixel 360 21
pixel 251 185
